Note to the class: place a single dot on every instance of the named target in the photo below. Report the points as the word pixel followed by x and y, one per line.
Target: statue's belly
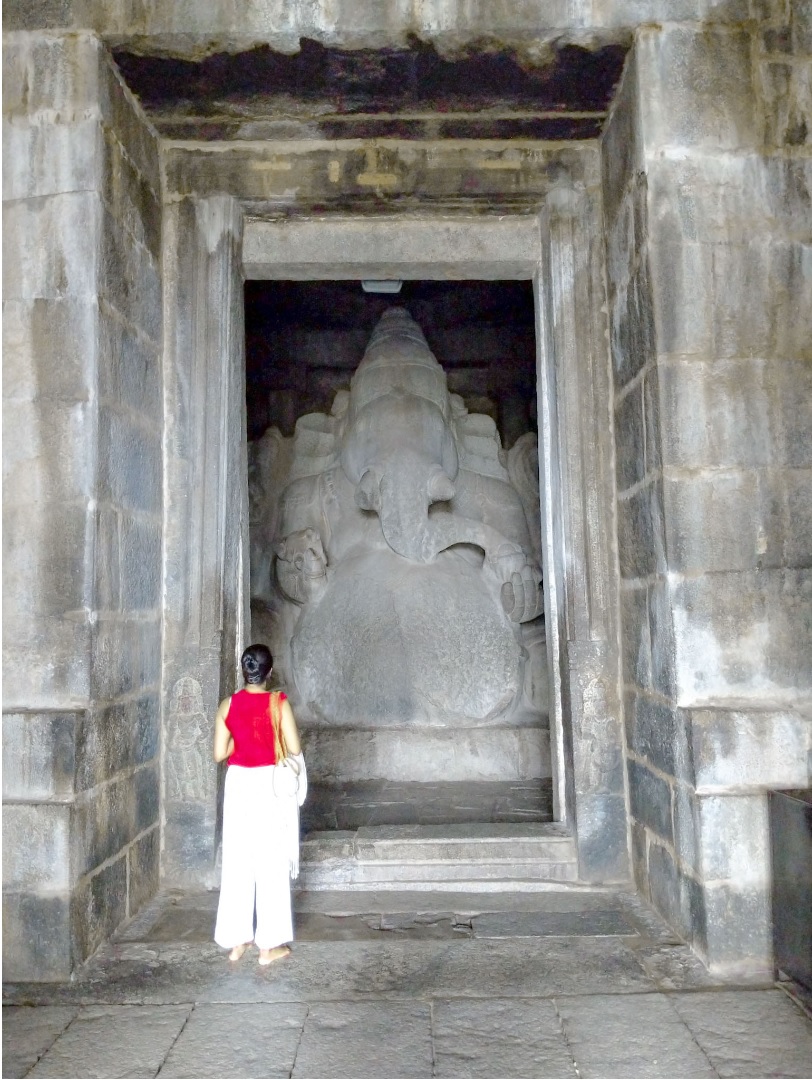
pixel 393 643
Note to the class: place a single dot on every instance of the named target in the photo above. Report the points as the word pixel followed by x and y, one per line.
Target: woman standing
pixel 266 783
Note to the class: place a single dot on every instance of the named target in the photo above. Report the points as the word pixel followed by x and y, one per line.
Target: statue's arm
pixel 301 562
pixel 493 517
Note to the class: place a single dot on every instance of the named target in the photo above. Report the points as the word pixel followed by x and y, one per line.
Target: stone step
pixel 473 856
pixel 351 805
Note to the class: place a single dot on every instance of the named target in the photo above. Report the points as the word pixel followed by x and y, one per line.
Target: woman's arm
pixel 223 741
pixel 289 729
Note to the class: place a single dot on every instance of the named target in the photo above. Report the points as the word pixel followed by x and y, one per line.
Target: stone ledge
pixel 747 748
pixel 429 754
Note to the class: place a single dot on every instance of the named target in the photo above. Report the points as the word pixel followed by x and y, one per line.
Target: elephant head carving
pixel 398 447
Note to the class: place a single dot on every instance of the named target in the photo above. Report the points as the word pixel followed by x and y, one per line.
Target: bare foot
pixel 237 952
pixel 267 956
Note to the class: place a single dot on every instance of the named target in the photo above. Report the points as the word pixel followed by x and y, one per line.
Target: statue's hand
pixel 301 565
pixel 521 583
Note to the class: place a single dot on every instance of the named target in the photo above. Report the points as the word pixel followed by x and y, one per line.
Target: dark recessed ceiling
pixel 343 305
pixel 304 340
pixel 334 86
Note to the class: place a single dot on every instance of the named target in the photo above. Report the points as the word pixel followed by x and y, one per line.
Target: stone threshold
pixel 487 856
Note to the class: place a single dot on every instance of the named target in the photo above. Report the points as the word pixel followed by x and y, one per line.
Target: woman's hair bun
pixel 257 664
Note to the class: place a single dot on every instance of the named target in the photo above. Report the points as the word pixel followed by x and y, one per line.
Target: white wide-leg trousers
pixel 256 861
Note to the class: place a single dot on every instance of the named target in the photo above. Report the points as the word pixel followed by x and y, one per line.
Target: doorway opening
pixel 443 715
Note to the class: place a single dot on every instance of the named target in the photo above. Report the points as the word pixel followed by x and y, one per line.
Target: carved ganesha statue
pixel 395 550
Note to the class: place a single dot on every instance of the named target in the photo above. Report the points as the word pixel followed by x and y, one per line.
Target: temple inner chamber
pixel 395 545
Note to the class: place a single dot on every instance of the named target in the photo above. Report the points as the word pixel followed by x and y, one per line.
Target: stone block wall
pixel 707 185
pixel 82 503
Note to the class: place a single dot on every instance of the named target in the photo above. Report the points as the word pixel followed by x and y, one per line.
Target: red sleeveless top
pixel 249 721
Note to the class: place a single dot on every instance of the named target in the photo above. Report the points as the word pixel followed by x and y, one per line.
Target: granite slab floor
pixel 570 983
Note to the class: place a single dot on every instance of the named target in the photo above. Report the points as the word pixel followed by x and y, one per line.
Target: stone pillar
pixel 206 518
pixel 707 223
pixel 578 531
pixel 82 503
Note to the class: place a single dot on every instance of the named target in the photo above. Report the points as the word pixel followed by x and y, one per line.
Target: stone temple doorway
pixel 213 246
pixel 422 684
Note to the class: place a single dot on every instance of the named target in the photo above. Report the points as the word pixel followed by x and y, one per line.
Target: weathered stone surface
pixel 793 379
pixel 344 971
pixel 28 1033
pixel 749 1034
pixel 681 279
pixel 126 656
pixel 50 158
pixel 716 413
pixel 650 798
pixel 63 226
pixel 677 60
pixel 130 474
pixel 432 857
pixel 730 520
pixel 270 251
pixel 635 637
pixel 46 583
pixel 132 197
pixel 737 940
pixel 189 839
pixel 743 635
pixel 621 144
pixel 346 805
pixel 39 755
pixel 36 936
pixel 98 906
pixel 743 750
pixel 639 531
pixel 433 684
pixel 105 822
pixel 675 967
pixel 798 540
pixel 488 755
pixel 129 369
pixel 499 1038
pixel 661 633
pixel 375 1039
pixel 630 438
pixel 463 904
pixel 36 846
pixel 129 278
pixel 676 895
pixel 32 330
pixel 145 869
pixel 552 924
pixel 735 839
pixel 653 733
pixel 643 1036
pixel 411 180
pixel 114 1041
pixel 237 1040
pixel 114 738
pixel 603 836
pixel 686 826
pixel 632 326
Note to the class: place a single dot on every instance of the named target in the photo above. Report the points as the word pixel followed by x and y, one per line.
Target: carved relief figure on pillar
pixel 395 558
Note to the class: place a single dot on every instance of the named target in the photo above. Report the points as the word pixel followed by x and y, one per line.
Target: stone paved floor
pixel 392 802
pixel 550 984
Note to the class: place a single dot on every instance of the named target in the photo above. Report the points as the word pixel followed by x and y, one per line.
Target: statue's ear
pixel 368 492
pixel 280 547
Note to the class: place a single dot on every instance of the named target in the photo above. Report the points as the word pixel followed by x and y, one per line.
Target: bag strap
pixel 280 751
